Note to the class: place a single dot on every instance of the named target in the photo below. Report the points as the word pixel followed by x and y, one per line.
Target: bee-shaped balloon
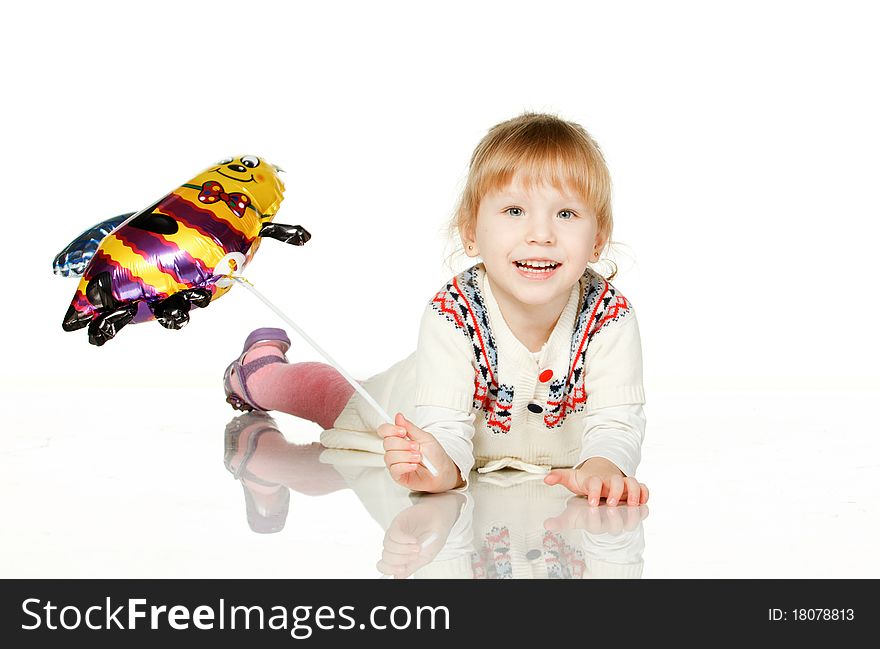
pixel 176 253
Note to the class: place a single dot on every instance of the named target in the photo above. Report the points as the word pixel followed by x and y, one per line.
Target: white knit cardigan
pixel 470 383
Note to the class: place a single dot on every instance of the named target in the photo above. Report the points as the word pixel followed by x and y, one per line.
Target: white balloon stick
pixel 357 386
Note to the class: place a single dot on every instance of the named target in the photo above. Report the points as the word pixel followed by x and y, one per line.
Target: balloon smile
pixel 233 177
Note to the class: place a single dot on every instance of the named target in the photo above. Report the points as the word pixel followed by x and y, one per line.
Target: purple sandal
pixel 257 338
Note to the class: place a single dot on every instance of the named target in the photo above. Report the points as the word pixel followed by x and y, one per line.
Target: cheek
pixel 494 240
pixel 259 178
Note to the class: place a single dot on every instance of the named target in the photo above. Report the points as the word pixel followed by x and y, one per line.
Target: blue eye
pixel 514 211
pixel 566 214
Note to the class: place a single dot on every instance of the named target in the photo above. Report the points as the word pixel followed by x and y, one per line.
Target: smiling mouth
pixel 233 177
pixel 536 270
pixel 537 265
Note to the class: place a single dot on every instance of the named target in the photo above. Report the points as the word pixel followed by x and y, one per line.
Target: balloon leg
pixel 200 297
pixel 107 324
pixel 173 311
pixel 295 235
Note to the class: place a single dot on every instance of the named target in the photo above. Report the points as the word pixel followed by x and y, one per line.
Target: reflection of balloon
pixel 161 261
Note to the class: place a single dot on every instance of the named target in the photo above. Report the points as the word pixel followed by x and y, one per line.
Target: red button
pixel 545 376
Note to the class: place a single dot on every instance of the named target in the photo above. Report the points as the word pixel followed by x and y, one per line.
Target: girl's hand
pixel 600 478
pixel 405 444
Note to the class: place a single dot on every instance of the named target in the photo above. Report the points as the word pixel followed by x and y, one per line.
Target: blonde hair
pixel 544 148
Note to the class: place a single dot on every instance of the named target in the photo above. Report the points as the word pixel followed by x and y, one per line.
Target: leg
pixel 312 391
pixel 262 379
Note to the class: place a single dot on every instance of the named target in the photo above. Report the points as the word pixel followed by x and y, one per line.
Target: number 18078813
pixel 811 615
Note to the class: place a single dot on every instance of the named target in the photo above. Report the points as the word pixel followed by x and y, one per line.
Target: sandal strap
pixel 246 369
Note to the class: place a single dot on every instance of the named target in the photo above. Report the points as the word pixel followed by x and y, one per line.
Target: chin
pixel 540 296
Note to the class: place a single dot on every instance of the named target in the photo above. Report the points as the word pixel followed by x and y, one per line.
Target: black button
pixel 531 555
pixel 535 408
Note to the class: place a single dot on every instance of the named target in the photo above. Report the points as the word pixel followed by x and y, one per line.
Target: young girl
pixel 529 360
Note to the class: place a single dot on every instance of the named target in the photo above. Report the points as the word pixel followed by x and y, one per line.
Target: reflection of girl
pixel 514 527
pixel 507 524
pixel 529 359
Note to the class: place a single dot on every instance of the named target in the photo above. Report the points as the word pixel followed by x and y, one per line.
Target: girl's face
pixel 535 243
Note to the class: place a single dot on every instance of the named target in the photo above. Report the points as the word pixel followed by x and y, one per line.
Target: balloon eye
pixel 250 161
pixel 225 161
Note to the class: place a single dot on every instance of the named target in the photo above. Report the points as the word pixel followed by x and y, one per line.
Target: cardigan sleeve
pixel 453 430
pixel 614 426
pixel 444 390
pixel 615 433
pixel 613 365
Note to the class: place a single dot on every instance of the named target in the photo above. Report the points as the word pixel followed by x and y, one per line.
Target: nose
pixel 540 230
pixel 239 168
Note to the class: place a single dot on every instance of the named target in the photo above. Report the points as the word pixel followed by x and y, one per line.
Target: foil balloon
pixel 177 253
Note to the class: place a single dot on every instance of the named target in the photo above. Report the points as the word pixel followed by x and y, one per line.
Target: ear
pixel 598 246
pixel 470 242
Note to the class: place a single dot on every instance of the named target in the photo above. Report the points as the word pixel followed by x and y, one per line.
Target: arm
pixel 614 426
pixel 609 455
pixel 443 425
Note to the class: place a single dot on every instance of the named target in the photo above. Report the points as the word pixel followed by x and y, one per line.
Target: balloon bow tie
pixel 235 201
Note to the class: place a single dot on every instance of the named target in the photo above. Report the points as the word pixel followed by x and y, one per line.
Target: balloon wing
pixel 73 259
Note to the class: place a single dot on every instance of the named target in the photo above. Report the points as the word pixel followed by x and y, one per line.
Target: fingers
pixel 594 490
pixel 633 491
pixel 399 450
pixel 615 490
pixel 402 455
pixel 414 432
pixel 636 492
pixel 566 477
pixel 390 430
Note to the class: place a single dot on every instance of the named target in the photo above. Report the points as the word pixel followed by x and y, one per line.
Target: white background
pixel 742 141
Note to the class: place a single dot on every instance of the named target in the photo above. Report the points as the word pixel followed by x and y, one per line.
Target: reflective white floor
pixel 139 483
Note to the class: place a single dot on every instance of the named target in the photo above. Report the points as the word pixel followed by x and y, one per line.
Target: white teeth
pixel 530 265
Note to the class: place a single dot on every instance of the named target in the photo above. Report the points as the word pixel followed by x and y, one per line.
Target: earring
pixel 470 247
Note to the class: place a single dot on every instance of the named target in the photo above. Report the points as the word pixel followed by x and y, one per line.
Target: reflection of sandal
pixel 257 338
pixel 243 433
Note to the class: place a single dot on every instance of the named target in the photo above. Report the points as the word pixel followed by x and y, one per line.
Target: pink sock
pixel 313 391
